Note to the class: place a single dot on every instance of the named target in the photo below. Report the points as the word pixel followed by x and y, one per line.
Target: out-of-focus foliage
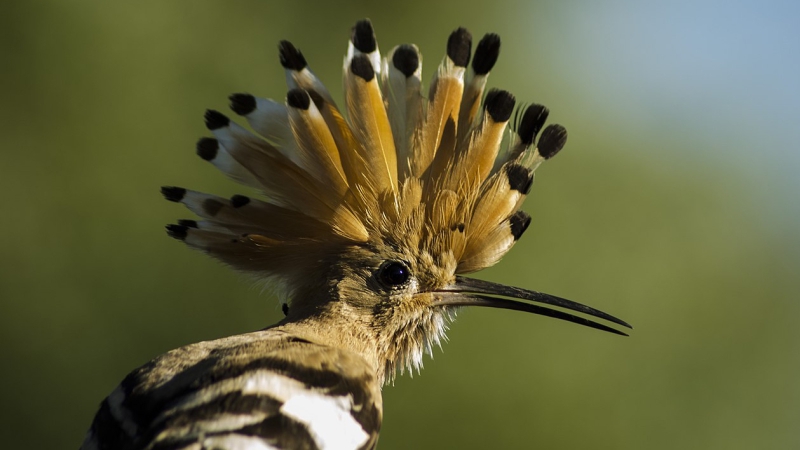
pixel 661 212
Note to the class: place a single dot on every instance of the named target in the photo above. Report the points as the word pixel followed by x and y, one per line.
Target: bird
pixel 371 214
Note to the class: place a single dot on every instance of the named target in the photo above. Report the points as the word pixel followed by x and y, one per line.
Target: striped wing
pixel 264 390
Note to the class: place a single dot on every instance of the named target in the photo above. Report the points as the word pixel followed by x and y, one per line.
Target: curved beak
pixel 472 292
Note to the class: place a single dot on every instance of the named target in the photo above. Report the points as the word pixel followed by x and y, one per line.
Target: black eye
pixel 393 273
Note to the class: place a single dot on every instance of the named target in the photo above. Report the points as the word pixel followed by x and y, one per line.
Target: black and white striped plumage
pixel 366 226
pixel 263 390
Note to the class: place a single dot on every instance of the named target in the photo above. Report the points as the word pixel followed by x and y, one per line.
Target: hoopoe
pixel 367 225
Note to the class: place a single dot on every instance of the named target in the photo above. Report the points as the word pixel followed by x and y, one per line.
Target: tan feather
pixel 210 150
pixel 484 144
pixel 370 124
pixel 436 151
pixel 441 214
pixel 270 119
pixel 243 215
pixel 253 253
pixel 527 128
pixel 286 184
pixel 401 82
pixel 299 75
pixel 318 152
pixel 373 164
pixel 363 42
pixel 443 107
pixel 411 198
pixel 486 54
pixel 347 224
pixel 486 250
pixel 502 195
pixel 440 174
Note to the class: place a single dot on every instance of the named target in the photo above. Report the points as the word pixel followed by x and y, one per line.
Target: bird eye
pixel 393 274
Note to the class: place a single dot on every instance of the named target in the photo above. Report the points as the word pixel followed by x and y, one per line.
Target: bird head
pixel 369 222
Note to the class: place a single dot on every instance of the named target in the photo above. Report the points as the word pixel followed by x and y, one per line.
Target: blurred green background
pixel 675 206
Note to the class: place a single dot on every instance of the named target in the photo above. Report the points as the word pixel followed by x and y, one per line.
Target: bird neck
pixel 342 331
pixel 386 346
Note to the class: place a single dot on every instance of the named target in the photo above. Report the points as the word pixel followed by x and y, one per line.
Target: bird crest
pixel 385 199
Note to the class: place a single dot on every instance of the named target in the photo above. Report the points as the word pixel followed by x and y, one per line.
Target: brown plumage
pixel 365 225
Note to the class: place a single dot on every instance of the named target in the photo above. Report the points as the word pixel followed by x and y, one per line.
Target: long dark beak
pixel 472 292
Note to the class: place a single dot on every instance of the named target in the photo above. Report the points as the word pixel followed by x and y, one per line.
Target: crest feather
pixel 370 124
pixel 436 148
pixel 485 57
pixel 403 170
pixel 402 71
pixel 316 147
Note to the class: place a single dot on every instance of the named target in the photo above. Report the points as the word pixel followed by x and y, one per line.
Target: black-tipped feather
pixel 207 148
pixel 552 141
pixel 178 232
pixel 500 104
pixel 363 36
pixel 212 207
pixel 520 178
pixel 532 121
pixel 486 54
pixel 237 201
pixel 242 104
pixel 362 67
pixel 173 193
pixel 291 57
pixel 406 60
pixel 459 47
pixel 188 223
pixel 215 120
pixel 298 98
pixel 519 223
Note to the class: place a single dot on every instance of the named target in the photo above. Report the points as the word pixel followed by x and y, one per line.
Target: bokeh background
pixel 675 206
